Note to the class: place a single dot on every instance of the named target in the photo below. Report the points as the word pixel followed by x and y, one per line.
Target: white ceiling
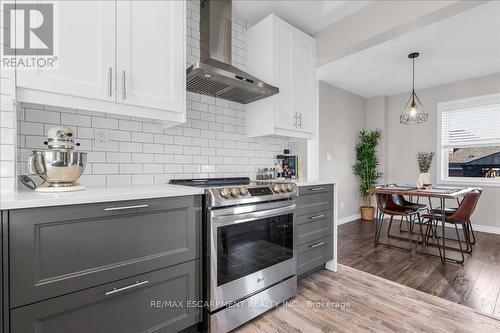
pixel 308 15
pixel 460 47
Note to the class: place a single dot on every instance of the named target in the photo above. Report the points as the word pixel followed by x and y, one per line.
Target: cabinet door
pixel 86 56
pixel 304 80
pixel 152 302
pixel 283 117
pixel 151 54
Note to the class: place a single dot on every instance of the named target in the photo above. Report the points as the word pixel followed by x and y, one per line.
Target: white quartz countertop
pixel 31 199
pixel 303 182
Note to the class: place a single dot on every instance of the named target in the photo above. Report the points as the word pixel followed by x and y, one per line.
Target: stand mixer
pixel 60 165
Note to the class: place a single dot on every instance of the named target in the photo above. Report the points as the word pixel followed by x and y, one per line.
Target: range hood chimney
pixel 214 75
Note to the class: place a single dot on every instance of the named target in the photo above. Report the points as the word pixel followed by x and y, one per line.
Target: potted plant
pixel 366 168
pixel 424 164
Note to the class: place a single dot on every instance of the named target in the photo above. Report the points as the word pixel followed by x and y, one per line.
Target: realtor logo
pixel 29 31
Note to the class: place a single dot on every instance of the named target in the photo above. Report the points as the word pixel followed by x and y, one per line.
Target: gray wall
pixel 403 142
pixel 341 117
pixel 343 114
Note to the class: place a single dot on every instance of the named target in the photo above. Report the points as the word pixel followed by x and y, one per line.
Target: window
pixel 469 140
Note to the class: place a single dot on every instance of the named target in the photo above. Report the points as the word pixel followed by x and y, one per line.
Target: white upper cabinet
pixel 123 57
pixel 285 57
pixel 86 53
pixel 150 74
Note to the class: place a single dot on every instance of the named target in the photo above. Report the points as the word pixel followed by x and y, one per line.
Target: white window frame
pixel 442 159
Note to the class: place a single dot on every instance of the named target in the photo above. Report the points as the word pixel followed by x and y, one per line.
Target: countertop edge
pixel 25 200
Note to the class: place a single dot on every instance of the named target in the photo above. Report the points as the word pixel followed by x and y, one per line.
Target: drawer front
pixel 314 254
pixel 55 251
pixel 304 190
pixel 314 226
pixel 141 308
pixel 311 201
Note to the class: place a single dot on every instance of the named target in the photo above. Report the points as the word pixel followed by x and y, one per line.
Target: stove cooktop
pixel 239 190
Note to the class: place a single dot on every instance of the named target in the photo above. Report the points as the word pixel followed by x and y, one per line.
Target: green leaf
pixel 367 162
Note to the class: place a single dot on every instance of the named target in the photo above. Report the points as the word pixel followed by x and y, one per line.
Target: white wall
pixel 341 117
pixel 403 142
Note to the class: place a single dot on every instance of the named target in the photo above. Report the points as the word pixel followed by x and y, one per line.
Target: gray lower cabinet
pixel 154 302
pixel 58 250
pixel 314 227
pixel 128 266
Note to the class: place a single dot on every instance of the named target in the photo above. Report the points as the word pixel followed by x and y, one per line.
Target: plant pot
pixel 425 178
pixel 367 213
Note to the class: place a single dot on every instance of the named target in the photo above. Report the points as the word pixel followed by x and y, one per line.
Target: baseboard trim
pixel 348 219
pixel 485 228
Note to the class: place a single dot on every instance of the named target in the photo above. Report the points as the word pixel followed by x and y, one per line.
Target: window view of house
pixel 470 140
pixel 474 162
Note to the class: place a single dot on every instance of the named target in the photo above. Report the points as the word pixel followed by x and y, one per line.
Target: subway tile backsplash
pixel 142 152
pixel 212 142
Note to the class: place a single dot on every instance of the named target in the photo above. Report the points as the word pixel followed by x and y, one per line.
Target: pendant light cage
pixel 414 111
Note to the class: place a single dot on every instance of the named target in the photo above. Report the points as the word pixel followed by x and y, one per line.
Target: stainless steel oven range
pixel 249 249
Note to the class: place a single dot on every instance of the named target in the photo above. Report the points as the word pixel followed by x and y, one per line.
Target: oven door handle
pixel 223 220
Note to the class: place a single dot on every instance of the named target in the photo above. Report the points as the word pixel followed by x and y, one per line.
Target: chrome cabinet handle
pixel 300 118
pixel 125 207
pixel 110 88
pixel 316 189
pixel 316 217
pixel 316 245
pixel 124 85
pixel 135 285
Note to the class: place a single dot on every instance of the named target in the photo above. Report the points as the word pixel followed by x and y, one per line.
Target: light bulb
pixel 413 109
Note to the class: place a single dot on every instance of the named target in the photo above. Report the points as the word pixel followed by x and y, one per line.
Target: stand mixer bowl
pixel 59 168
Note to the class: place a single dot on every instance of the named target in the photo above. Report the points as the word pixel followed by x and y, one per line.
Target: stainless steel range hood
pixel 214 75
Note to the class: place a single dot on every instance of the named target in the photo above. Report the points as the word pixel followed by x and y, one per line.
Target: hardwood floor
pixel 476 284
pixel 367 303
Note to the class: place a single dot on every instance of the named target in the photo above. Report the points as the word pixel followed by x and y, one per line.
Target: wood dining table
pixel 440 193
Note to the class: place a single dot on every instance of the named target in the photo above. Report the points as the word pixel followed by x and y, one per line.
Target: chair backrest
pixel 467 206
pixel 386 202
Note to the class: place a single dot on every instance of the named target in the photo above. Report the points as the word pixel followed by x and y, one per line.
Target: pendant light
pixel 414 111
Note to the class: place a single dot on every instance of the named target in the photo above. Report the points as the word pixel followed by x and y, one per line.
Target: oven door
pixel 252 247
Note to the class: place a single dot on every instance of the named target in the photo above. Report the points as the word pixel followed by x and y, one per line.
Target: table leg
pixel 443 219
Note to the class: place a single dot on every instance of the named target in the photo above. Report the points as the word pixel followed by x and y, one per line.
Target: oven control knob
pixel 225 193
pixel 277 188
pixel 289 187
pixel 235 191
pixel 243 191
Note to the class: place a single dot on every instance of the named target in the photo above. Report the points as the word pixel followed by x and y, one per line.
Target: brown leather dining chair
pixel 401 201
pixel 461 216
pixel 468 225
pixel 387 206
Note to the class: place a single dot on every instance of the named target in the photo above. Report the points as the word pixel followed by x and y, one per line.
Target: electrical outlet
pixel 341 205
pixel 328 156
pixel 100 138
